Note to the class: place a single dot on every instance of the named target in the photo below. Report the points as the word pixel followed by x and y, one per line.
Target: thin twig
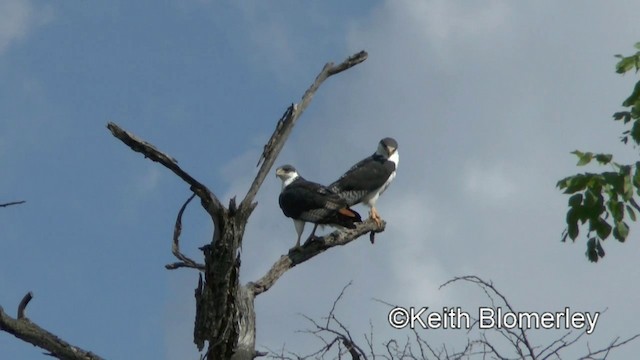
pixel 614 344
pixel 13 203
pixel 185 261
pixel 484 285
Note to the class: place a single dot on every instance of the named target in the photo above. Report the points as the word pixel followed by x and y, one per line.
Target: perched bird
pixel 305 201
pixel 370 177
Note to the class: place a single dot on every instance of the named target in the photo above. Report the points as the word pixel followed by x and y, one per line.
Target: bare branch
pixel 559 344
pixel 183 265
pixel 209 201
pixel 185 262
pixel 23 304
pixel 522 338
pixel 309 250
pixel 351 348
pixel 25 330
pixel 13 203
pixel 341 337
pixel 288 120
pixel 478 348
pixel 605 351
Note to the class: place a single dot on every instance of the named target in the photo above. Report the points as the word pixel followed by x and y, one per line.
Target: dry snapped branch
pixel 185 262
pixel 12 203
pixel 22 328
pixel 209 200
pixel 289 119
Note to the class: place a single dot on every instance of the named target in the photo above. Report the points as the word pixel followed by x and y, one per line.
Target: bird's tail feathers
pixel 347 217
pixel 350 213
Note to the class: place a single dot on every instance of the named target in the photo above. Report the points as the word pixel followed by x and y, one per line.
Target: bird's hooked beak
pixel 279 173
pixel 391 150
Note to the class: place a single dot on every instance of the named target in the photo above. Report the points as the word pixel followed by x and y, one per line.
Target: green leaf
pixel 604 159
pixel 591 200
pixel 573 183
pixel 577 153
pixel 636 176
pixel 616 208
pixel 599 249
pixel 603 229
pixel 592 253
pixel 633 98
pixel 632 214
pixel 621 231
pixel 585 158
pixel 627 187
pixel 625 116
pixel 637 45
pixel 625 64
pixel 615 182
pixel 635 132
pixel 591 209
pixel 575 200
pixel 572 224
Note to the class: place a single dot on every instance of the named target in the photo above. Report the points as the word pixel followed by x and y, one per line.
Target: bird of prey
pixel 370 177
pixel 305 201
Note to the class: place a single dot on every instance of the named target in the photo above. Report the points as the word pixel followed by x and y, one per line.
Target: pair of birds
pixel 306 201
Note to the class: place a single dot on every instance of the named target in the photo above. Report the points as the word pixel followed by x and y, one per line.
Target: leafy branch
pixel 604 201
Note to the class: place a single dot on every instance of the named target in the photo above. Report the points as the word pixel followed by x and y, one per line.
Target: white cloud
pixel 147 182
pixel 17 19
pixel 492 183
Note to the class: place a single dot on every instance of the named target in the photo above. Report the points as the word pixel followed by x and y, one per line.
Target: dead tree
pixel 225 317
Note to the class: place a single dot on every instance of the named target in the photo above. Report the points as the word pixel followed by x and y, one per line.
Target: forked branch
pixel 25 330
pixel 288 120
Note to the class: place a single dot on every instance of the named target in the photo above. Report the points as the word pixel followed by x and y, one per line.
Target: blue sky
pixel 485 99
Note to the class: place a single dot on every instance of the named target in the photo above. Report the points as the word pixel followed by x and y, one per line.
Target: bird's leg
pixel 297 245
pixel 373 214
pixel 313 234
pixel 299 225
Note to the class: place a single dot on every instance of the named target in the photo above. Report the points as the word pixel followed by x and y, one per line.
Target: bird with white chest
pixel 306 201
pixel 370 177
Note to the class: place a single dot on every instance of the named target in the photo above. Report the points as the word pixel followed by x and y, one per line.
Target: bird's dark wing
pixel 366 176
pixel 309 201
pixel 312 202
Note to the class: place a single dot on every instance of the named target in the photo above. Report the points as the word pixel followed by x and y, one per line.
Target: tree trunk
pixel 220 301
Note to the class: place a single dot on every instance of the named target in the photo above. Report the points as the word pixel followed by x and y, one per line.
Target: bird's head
pixel 387 147
pixel 287 174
